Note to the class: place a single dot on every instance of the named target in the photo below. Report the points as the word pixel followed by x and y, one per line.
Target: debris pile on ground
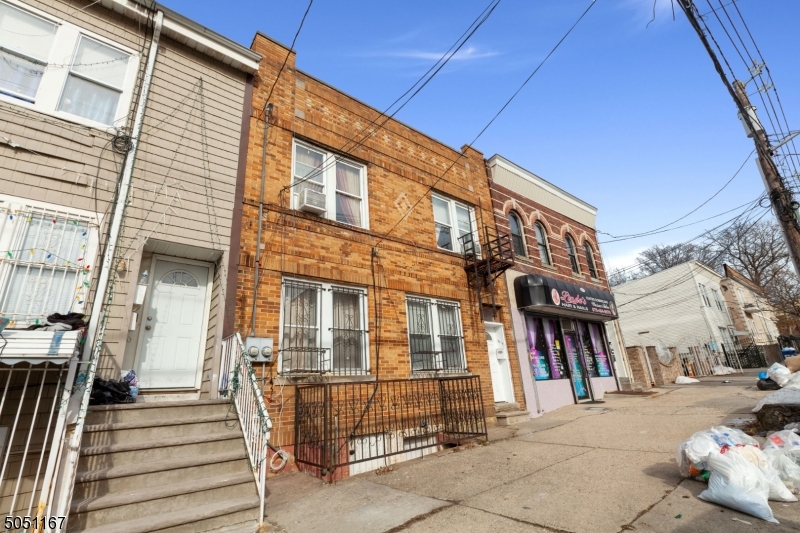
pixel 721 370
pixel 739 473
pixel 778 409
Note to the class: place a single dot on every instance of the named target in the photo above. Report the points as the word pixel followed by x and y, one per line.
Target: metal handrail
pixel 246 395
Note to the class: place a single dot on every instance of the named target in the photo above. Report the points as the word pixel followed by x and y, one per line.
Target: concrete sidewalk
pixel 584 468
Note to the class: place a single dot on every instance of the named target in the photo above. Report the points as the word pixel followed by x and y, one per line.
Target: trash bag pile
pixel 741 474
pixel 782 376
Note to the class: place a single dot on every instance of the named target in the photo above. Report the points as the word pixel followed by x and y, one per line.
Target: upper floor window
pixel 587 248
pixel 541 239
pixel 517 238
pixel 717 300
pixel 435 338
pixel 45 267
pixel 323 328
pixel 93 81
pixel 452 220
pixel 573 256
pixel 330 186
pixel 704 294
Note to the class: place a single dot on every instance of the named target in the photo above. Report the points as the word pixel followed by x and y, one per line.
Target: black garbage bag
pixel 767 384
pixel 110 391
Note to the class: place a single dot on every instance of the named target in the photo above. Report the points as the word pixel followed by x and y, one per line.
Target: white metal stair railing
pixel 238 381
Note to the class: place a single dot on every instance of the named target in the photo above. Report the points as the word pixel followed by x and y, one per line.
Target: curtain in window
pixel 31 39
pixel 450 336
pixel 442 224
pixel 598 347
pixel 300 327
pixel 44 267
pixel 348 333
pixel 538 359
pixel 420 334
pixel 348 201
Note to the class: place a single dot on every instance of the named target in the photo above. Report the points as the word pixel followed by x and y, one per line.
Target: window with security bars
pixel 323 329
pixel 435 338
pixel 45 266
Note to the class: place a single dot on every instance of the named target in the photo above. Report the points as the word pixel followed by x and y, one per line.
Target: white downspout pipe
pixel 92 348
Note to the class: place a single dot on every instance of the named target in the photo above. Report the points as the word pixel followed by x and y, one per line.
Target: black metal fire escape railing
pixel 485 261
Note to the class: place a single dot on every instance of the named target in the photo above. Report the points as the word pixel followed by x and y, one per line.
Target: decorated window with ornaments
pixel 46 257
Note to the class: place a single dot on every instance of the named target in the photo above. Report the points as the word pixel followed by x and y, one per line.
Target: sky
pixel 631 118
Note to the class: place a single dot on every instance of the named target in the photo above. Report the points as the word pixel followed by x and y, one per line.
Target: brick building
pixel 361 277
pixel 558 293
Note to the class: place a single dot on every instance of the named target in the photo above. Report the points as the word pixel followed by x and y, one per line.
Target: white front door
pixel 498 363
pixel 172 339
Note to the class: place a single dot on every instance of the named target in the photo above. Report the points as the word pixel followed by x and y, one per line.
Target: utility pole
pixel 783 204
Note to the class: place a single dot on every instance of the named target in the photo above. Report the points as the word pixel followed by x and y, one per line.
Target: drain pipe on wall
pixel 267 111
pixel 92 349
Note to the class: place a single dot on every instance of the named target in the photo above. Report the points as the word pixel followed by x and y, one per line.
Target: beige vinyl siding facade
pixel 184 178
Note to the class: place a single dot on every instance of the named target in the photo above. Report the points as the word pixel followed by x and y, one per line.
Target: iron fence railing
pixel 368 425
pixel 238 382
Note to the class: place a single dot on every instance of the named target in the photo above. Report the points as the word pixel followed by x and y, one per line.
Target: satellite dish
pixel 665 355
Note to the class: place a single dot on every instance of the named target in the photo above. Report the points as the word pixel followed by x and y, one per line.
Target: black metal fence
pixel 353 424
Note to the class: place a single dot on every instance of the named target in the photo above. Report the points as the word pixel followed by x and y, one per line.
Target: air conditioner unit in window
pixel 312 201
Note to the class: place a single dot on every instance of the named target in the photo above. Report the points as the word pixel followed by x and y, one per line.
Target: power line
pixel 505 105
pixel 291 49
pixel 424 80
pixel 678 227
pixel 657 230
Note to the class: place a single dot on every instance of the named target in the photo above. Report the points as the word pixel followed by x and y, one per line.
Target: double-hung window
pixel 329 185
pixel 324 328
pixel 452 221
pixel 58 68
pixel 704 294
pixel 716 299
pixel 46 262
pixel 435 338
pixel 573 255
pixel 25 44
pixel 587 248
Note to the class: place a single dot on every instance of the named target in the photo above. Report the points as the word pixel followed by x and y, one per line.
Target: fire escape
pixel 485 261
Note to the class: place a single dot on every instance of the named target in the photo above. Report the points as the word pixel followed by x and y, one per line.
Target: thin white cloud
pixel 470 53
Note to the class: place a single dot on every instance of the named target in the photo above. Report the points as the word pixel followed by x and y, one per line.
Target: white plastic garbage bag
pixel 693 453
pixel 793 383
pixel 683 380
pixel 779 374
pixel 722 370
pixel 787 469
pixel 737 483
pixel 786 440
pixel 778 491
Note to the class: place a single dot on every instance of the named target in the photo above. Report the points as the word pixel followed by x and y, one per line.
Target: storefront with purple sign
pixel 562 341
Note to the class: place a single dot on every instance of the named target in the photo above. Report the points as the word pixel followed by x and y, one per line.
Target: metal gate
pixel 340 424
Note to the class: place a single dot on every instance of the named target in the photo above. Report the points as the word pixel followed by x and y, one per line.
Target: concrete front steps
pixel 508 414
pixel 166 467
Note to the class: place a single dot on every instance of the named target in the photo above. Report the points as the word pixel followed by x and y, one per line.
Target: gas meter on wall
pixel 258 349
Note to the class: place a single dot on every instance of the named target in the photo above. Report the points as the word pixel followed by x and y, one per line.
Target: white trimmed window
pixel 329 185
pixel 435 337
pixel 47 259
pixel 323 328
pixel 60 69
pixel 704 294
pixel 452 220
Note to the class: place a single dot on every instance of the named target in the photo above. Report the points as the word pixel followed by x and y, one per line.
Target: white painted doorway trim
pixel 504 369
pixel 206 314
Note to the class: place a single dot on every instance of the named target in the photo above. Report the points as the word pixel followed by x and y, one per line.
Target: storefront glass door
pixel 577 370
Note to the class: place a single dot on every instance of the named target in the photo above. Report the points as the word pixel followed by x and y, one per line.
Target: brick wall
pixel 664 374
pixel 638 366
pixel 401 165
pixel 557 226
